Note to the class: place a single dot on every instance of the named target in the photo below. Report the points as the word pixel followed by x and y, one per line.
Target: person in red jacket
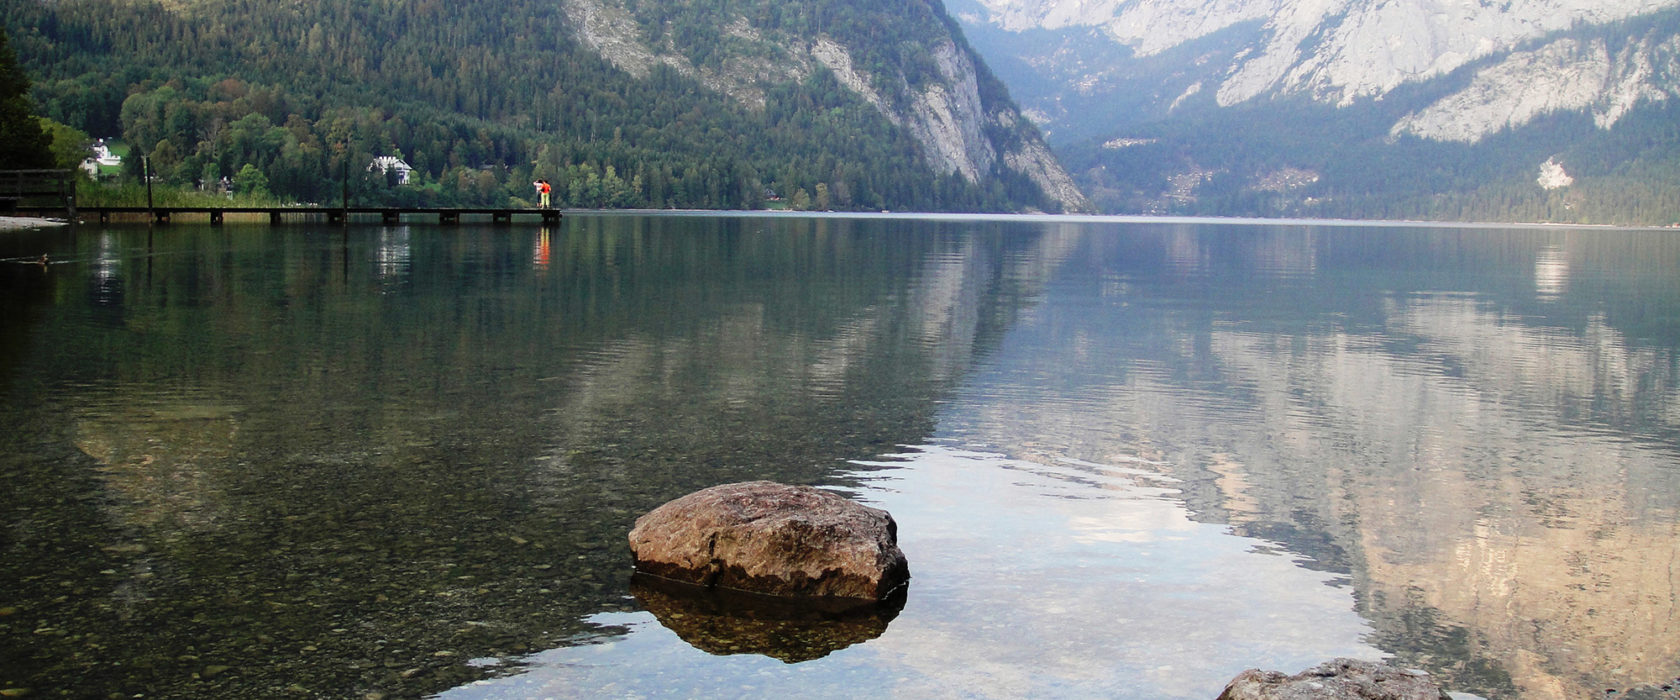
pixel 543 188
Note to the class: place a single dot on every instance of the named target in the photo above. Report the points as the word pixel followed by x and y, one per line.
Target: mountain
pixel 706 103
pixel 1544 110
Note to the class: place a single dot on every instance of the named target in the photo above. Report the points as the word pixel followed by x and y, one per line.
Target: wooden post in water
pixel 344 208
pixel 68 182
pixel 146 172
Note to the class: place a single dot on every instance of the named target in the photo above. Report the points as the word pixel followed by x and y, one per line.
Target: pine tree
pixel 23 144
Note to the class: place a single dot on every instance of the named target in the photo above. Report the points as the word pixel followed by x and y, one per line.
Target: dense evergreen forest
pixel 291 100
pixel 23 143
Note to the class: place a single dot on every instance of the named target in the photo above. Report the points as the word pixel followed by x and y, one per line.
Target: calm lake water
pixel 1128 459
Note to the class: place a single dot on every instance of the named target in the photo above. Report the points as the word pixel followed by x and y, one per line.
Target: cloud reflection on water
pixel 1162 454
pixel 1030 580
pixel 1486 456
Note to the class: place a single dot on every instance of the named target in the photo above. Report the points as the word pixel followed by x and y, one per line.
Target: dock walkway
pixel 277 215
pixel 18 186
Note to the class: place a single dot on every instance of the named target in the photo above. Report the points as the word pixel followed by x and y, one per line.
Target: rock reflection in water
pixel 724 622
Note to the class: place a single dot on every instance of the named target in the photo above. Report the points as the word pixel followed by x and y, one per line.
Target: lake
pixel 1128 458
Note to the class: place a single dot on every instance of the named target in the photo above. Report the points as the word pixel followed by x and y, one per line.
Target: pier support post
pixel 146 172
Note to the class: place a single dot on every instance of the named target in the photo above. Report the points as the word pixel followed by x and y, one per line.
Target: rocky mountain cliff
pixel 1439 71
pixel 961 128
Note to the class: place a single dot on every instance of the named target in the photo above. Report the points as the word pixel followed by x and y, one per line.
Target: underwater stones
pixel 1652 691
pixel 1340 679
pixel 774 539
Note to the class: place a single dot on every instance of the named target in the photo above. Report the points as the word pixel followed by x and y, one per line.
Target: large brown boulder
pixel 772 538
pixel 1341 679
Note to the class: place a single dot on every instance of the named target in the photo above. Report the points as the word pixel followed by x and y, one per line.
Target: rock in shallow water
pixel 772 538
pixel 1341 679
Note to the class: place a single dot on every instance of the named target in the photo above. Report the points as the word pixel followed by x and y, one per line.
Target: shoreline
pixel 19 223
pixel 16 223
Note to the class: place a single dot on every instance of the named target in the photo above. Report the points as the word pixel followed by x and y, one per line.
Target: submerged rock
pixel 1341 679
pixel 774 539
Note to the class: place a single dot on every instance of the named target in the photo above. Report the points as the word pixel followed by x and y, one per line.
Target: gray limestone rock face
pixel 773 539
pixel 1341 679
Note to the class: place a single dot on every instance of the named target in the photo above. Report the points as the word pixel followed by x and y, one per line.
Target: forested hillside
pixel 22 143
pixel 482 98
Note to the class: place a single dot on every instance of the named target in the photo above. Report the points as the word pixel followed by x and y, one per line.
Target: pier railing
pixel 277 215
pixel 21 187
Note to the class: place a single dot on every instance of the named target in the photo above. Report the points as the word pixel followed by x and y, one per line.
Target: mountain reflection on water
pixel 1128 459
pixel 1478 428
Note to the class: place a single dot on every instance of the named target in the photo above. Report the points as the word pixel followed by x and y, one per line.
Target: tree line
pixel 481 99
pixel 24 142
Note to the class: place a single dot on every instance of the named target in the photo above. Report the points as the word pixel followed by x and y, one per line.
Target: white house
pixel 101 156
pixel 386 164
pixel 102 153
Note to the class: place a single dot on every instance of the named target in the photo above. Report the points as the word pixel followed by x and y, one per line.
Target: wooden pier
pixel 25 191
pixel 333 215
pixel 19 186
